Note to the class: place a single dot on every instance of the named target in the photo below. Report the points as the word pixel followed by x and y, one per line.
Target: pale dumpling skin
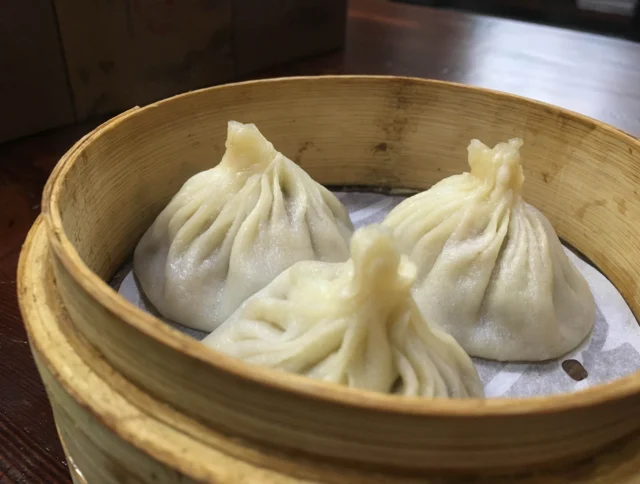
pixel 231 229
pixel 352 323
pixel 491 269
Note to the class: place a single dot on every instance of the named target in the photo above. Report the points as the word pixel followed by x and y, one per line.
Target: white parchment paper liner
pixel 611 351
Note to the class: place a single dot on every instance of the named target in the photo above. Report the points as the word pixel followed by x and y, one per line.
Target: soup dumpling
pixel 491 269
pixel 353 323
pixel 231 229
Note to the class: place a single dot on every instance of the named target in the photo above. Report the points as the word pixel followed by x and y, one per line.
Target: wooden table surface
pixel 593 75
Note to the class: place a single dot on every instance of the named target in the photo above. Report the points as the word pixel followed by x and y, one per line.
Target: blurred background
pixel 67 61
pixel 614 17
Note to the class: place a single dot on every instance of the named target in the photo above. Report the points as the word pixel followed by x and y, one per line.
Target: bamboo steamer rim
pixel 40 315
pixel 302 386
pixel 45 318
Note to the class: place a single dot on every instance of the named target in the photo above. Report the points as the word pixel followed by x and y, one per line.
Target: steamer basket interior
pixel 375 132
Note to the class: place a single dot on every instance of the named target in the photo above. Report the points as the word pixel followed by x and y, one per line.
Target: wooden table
pixel 561 13
pixel 590 74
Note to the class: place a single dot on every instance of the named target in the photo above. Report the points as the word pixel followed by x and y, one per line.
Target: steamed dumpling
pixel 231 229
pixel 491 269
pixel 352 323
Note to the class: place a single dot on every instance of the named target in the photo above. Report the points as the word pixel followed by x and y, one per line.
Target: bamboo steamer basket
pixel 115 433
pixel 375 132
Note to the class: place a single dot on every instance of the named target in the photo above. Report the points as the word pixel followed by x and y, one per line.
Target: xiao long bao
pixel 491 269
pixel 353 323
pixel 231 229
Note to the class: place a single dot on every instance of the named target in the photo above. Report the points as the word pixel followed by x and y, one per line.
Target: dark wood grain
pixel 33 81
pixel 264 35
pixel 29 448
pixel 594 75
pixel 561 13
